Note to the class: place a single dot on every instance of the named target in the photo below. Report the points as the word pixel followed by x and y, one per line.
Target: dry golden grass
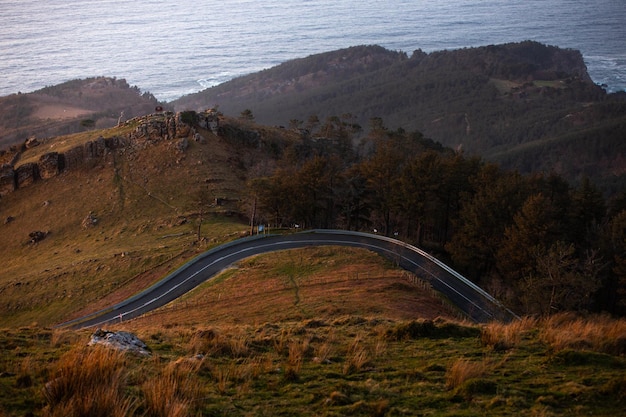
pixel 504 336
pixel 463 370
pixel 372 367
pixel 88 382
pixel 173 392
pixel 596 333
pixel 297 351
pixel 325 350
pixel 357 356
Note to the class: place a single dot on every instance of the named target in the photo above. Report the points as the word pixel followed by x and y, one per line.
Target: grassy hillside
pixel 143 211
pixel 70 107
pixel 125 220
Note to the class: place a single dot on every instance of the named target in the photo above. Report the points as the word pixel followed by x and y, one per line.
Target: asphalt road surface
pixel 469 298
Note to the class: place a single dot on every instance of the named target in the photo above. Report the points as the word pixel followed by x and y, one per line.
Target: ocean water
pixel 172 48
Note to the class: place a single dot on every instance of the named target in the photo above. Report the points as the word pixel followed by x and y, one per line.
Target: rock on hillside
pixel 42 162
pixel 123 341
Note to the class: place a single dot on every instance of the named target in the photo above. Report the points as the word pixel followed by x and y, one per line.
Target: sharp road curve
pixel 477 304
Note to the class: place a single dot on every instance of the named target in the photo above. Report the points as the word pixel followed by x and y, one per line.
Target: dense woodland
pixel 535 241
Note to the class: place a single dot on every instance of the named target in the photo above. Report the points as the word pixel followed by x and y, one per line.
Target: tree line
pixel 537 242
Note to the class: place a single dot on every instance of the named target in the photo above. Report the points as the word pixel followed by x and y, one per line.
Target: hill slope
pixel 100 231
pixel 74 106
pixel 525 105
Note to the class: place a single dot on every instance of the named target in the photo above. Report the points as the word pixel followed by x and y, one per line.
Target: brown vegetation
pixel 346 365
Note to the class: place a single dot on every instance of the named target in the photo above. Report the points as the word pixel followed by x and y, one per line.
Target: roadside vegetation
pixel 346 365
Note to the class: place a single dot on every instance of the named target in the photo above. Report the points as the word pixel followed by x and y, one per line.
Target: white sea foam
pixel 172 48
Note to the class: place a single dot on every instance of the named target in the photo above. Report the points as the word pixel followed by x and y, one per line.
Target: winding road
pixel 477 304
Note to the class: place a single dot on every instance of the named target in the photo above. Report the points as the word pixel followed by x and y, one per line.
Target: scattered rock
pixel 37 236
pixel 124 341
pixel 31 142
pixel 200 139
pixel 182 145
pixel 9 219
pixel 90 221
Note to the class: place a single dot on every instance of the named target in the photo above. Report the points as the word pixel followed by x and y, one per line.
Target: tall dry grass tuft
pixel 324 349
pixel 88 382
pixel 62 337
pixel 501 336
pixel 356 358
pixel 281 342
pixel 463 370
pixel 597 333
pixel 297 351
pixel 213 342
pixel 174 391
pixel 223 375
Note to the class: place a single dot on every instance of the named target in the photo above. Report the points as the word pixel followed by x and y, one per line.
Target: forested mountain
pixel 526 105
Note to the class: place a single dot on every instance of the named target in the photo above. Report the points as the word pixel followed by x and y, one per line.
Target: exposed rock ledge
pixel 150 129
pixel 124 341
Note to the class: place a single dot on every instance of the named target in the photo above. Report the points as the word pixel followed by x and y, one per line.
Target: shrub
pixel 474 386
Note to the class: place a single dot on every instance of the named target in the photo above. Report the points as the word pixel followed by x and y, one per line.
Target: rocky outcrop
pixel 123 341
pixel 165 126
pixel 95 148
pixel 26 174
pixel 31 142
pixel 177 127
pixel 50 164
pixel 209 120
pixel 37 236
pixel 7 179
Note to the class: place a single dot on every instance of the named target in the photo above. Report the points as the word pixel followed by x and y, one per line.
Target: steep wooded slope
pixel 529 106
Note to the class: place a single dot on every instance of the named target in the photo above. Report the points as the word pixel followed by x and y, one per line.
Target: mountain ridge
pixel 486 100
